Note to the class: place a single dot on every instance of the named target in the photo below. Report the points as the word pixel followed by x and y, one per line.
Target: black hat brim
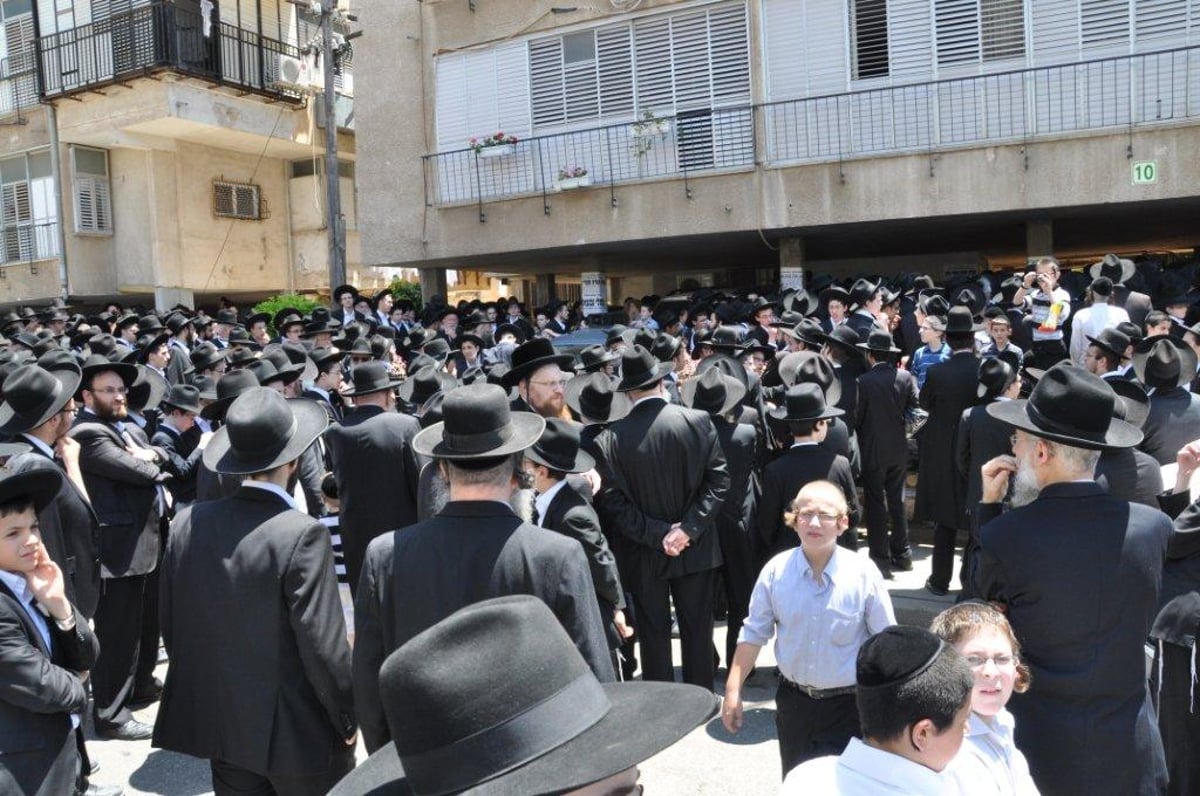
pixel 526 427
pixel 644 718
pixel 782 414
pixel 1120 434
pixel 390 385
pixel 868 347
pixel 407 386
pixel 220 457
pixel 583 461
pixel 659 373
pixel 40 485
pixel 1105 347
pixel 13 423
pixel 125 370
pixel 526 369
pixel 1187 360
pixel 735 391
pixel 618 409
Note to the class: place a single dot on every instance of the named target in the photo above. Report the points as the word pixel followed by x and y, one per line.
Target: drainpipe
pixel 56 172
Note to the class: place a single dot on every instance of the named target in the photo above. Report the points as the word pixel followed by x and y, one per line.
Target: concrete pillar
pixel 1039 238
pixel 433 282
pixel 543 290
pixel 791 263
pixel 167 297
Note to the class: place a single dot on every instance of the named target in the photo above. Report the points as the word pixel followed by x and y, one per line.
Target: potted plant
pixel 496 145
pixel 649 125
pixel 572 176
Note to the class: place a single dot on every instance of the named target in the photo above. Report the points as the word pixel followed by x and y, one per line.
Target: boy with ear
pixel 46 649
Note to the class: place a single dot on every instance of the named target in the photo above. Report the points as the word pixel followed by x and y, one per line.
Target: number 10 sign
pixel 1145 172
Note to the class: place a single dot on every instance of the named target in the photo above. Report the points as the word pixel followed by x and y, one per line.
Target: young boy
pixel 824 601
pixel 332 521
pixel 914 701
pixel 46 648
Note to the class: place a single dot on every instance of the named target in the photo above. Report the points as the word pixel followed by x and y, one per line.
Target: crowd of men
pixel 208 467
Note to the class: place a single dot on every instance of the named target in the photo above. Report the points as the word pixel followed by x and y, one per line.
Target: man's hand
pixel 67 449
pixel 145 454
pixel 1188 460
pixel 353 739
pixel 996 473
pixel 48 586
pixel 676 541
pixel 593 479
pixel 623 629
pixel 731 710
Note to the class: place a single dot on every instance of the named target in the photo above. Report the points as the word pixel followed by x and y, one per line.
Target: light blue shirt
pixel 820 625
pixel 20 587
pixel 269 487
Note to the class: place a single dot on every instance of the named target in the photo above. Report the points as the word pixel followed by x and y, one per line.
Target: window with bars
pixel 93 203
pixel 18 80
pixel 28 220
pixel 238 200
pixel 869 39
pixel 974 30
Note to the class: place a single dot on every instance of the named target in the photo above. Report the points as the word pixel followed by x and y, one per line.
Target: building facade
pixel 710 141
pixel 166 151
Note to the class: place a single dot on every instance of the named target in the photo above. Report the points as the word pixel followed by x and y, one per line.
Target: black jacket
pixel 183 461
pixel 1173 422
pixel 981 438
pixel 885 396
pixel 782 480
pixel 949 391
pixel 260 665
pixel 572 516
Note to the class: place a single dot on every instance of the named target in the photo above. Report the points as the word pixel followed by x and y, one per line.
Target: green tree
pixel 405 289
pixel 274 304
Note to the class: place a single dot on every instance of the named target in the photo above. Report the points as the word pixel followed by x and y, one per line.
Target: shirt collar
pixel 269 487
pixel 17 584
pixel 649 398
pixel 37 443
pixel 543 501
pixel 320 391
pixel 900 772
pixel 831 566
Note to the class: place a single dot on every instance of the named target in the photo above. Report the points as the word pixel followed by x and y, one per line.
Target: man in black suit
pixel 668 484
pixel 1079 573
pixel 540 375
pixel 374 465
pixel 179 411
pixel 39 406
pixel 46 650
pixel 886 396
pixel 124 482
pixel 808 418
pixel 326 387
pixel 866 300
pixel 941 490
pixel 270 706
pixel 474 549
pixel 210 485
pixel 1166 367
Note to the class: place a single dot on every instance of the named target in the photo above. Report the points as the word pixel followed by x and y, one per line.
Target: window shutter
pixel 1161 23
pixel 237 200
pixel 1104 22
pixel 785 55
pixel 911 32
pixel 652 51
pixel 93 210
pixel 614 56
pixel 689 43
pixel 581 82
pixel 16 216
pixel 869 31
pixel 512 90
pixel 20 52
pixel 1054 32
pixel 451 100
pixel 1002 28
pixel 957 31
pixel 546 82
pixel 730 56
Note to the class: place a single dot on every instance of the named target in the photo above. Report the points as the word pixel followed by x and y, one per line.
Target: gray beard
pixel 522 503
pixel 1025 487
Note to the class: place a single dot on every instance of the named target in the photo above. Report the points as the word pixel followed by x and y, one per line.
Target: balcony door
pixel 197 39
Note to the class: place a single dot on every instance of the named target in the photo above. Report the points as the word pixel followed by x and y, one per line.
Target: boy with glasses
pixel 824 602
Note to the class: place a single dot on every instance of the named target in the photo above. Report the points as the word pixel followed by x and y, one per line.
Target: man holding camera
pixel 1048 307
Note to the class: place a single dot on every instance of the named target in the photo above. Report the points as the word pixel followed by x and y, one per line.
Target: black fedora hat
pixel 370 377
pixel 425 382
pixel 970 296
pixel 805 402
pixel 551 728
pixel 297 355
pixel 478 424
pixel 266 372
pixel 288 316
pixel 1111 340
pixel 1133 402
pixel 324 356
pixel 239 336
pixel 713 392
pixel 262 431
pixel 845 339
pixel 206 386
pixel 594 357
pixel 665 347
pixel 336 295
pixel 206 355
pixel 800 301
pixel 231 385
pixel 879 342
pixel 593 397
pixel 640 369
pixel 1071 406
pixel 1118 269
pixel 809 367
pixel 40 486
pixel 834 292
pixel 241 357
pixel 33 395
pixel 808 332
pixel 558 448
pixel 147 390
pixel 537 353
pixel 226 316
pixel 98 363
pixel 960 320
pixel 184 397
pixel 994 376
pixel 508 328
pixel 730 339
pixel 862 291
pixel 1162 362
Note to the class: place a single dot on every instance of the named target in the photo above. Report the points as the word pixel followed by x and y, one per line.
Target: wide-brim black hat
pixel 808 332
pixel 1071 406
pixel 508 328
pixel 585 731
pixel 1163 362
pixel 370 377
pixel 98 363
pixel 478 424
pixel 595 357
pixel 713 392
pixel 530 356
pixel 960 320
pixel 205 355
pixel 147 390
pixel 40 486
pixel 862 291
pixel 424 382
pixel 184 397
pixel 1118 269
pixel 337 292
pixel 1109 340
pixel 801 301
pixel 801 367
pixel 33 395
pixel 845 339
pixel 879 342
pixel 558 448
pixel 593 396
pixel 231 385
pixel 804 403
pixel 640 369
pixel 262 431
pixel 1135 400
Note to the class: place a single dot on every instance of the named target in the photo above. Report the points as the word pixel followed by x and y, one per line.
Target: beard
pixel 1025 488
pixel 522 503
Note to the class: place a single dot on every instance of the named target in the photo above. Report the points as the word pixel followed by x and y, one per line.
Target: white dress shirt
pixel 820 625
pixel 863 770
pixel 1090 322
pixel 269 487
pixel 542 502
pixel 989 763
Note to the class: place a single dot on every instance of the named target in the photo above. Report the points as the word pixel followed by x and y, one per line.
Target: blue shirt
pixel 923 359
pixel 820 625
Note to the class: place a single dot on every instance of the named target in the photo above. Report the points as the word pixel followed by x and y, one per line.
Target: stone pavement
pixel 707 761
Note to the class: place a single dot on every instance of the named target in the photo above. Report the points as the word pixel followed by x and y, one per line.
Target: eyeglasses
pixel 1002 661
pixel 560 384
pixel 112 391
pixel 817 516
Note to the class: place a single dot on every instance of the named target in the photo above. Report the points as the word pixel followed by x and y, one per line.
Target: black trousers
pixel 118 622
pixel 810 728
pixel 231 780
pixel 944 539
pixel 738 581
pixel 143 678
pixel 693 598
pixel 883 499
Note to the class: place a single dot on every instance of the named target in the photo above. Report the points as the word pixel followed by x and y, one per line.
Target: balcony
pixel 1102 96
pixel 161 37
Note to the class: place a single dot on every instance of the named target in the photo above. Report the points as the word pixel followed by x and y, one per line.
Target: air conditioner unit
pixel 301 73
pixel 347 89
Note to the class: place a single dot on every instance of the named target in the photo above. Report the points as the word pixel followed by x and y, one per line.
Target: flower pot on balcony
pixel 650 129
pixel 571 183
pixel 497 151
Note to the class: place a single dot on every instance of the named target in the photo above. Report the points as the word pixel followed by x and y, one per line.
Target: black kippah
pixel 896 655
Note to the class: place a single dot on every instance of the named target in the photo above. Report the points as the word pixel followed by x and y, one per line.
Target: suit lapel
pixel 31 630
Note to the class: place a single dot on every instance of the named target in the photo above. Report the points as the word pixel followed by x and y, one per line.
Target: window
pixel 311 166
pixel 18 80
pixel 28 220
pixel 869 38
pixel 973 30
pixel 238 200
pixel 93 205
pixel 1104 21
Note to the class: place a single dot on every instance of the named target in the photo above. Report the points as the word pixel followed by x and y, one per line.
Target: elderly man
pixel 1079 573
pixel 474 549
pixel 538 374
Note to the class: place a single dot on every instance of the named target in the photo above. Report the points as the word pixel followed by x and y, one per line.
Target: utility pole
pixel 335 224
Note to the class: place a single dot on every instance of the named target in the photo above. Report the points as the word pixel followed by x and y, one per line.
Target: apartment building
pixel 725 139
pixel 166 151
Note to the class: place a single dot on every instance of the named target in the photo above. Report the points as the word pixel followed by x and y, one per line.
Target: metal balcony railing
pixel 1124 92
pixel 18 85
pixel 161 36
